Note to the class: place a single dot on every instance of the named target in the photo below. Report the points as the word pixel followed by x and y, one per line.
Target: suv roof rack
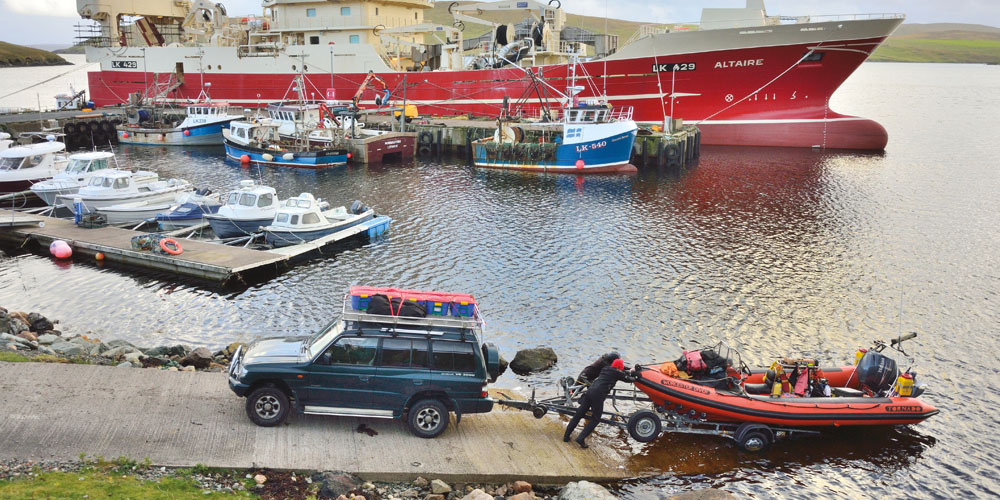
pixel 474 322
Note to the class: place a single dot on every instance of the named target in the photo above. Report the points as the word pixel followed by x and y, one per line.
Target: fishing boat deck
pixel 200 259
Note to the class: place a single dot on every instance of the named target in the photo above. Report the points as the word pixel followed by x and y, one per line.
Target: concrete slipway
pixel 58 411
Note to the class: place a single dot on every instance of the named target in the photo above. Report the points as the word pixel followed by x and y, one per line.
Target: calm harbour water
pixel 775 251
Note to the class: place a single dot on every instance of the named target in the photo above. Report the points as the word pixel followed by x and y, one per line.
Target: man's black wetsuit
pixel 593 400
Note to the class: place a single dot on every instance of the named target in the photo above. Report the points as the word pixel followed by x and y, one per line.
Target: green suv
pixel 371 365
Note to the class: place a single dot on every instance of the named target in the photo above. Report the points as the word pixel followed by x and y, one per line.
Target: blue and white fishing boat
pixel 244 211
pixel 202 125
pixel 189 210
pixel 589 137
pixel 301 219
pixel 258 142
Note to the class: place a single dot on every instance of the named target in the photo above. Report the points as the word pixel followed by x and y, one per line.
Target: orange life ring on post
pixel 176 250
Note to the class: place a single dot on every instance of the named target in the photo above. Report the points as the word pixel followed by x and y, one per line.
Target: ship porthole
pixel 293 67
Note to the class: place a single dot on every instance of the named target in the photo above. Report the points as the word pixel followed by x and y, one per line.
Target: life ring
pixel 425 137
pixel 165 246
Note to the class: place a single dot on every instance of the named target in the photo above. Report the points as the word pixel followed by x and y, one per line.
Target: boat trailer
pixel 645 425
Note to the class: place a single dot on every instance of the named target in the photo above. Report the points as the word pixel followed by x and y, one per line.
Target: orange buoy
pixel 579 163
pixel 245 159
pixel 124 135
pixel 99 256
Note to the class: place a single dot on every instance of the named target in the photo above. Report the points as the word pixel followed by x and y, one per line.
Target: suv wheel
pixel 428 418
pixel 267 406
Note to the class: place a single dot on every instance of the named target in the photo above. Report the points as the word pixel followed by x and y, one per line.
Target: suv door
pixel 454 370
pixel 403 370
pixel 341 377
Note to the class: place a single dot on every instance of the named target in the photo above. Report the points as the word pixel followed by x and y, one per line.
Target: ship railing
pixel 837 17
pixel 620 113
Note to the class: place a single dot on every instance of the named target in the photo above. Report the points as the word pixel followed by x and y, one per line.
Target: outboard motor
pixel 877 372
pixel 358 208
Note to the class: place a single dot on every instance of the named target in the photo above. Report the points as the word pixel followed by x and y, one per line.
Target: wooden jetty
pixel 653 149
pixel 200 259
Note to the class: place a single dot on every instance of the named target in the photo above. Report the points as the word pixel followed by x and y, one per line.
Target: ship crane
pixel 379 100
pixel 213 15
pixel 544 35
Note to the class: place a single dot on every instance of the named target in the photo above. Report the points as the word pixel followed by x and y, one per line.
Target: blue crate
pixel 464 309
pixel 360 302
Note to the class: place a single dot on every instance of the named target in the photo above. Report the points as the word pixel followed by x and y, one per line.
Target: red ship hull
pixel 768 95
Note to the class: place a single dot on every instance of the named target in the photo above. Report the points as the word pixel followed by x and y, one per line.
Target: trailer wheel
pixel 644 426
pixel 539 411
pixel 754 438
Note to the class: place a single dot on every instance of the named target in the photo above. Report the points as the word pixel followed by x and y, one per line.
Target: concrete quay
pixel 58 411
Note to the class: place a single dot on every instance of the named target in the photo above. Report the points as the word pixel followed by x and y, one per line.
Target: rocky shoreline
pixel 35 337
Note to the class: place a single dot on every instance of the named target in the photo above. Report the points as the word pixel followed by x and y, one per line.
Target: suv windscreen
pixel 454 356
pixel 404 353
pixel 322 338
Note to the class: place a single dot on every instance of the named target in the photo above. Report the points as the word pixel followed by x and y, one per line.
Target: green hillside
pixel 942 42
pixel 18 55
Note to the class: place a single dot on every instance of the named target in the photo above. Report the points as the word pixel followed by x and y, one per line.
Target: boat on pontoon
pixel 80 169
pixel 189 209
pixel 244 211
pixel 23 166
pixel 117 187
pixel 302 219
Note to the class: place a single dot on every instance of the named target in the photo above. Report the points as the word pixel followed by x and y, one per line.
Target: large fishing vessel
pixel 745 78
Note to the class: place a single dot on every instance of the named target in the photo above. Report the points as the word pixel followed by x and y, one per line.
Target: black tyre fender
pixel 673 151
pixel 644 426
pixel 267 406
pixel 425 137
pixel 754 438
pixel 427 418
pixel 424 150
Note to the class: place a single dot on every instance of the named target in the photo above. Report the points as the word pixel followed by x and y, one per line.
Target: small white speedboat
pixel 81 168
pixel 244 210
pixel 22 166
pixel 117 187
pixel 302 219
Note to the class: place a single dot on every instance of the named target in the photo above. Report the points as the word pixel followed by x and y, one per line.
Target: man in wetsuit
pixel 593 400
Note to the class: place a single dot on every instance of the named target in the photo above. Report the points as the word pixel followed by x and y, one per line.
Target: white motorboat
pixel 302 219
pixel 81 168
pixel 116 187
pixel 244 210
pixel 22 166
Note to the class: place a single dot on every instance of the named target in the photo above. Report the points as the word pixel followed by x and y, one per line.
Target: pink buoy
pixel 124 135
pixel 60 249
pixel 187 132
pixel 245 159
pixel 579 163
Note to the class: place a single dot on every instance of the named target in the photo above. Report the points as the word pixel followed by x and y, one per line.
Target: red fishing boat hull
pixel 755 87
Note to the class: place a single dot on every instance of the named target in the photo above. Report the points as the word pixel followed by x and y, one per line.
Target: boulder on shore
pixel 334 483
pixel 199 358
pixel 533 360
pixel 585 490
pixel 477 494
pixel 68 348
pixel 39 323
pixel 440 487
